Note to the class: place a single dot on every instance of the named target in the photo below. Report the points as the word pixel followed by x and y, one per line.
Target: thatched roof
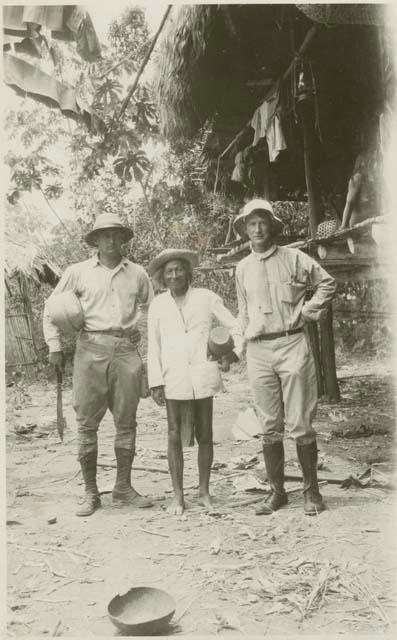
pixel 204 57
pixel 24 253
pixel 212 59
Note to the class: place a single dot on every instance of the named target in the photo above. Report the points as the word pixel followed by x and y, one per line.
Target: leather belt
pixel 116 333
pixel 278 334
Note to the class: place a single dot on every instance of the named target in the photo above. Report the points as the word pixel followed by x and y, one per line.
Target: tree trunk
pixel 331 387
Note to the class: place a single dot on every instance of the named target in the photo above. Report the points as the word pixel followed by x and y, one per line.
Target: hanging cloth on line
pixel 266 124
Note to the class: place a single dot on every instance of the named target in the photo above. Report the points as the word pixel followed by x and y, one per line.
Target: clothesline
pixel 308 38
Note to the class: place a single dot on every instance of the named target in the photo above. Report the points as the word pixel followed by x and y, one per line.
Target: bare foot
pixel 206 500
pixel 176 506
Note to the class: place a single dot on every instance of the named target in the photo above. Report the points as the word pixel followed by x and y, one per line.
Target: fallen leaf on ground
pixel 227 621
pixel 266 584
pixel 277 607
pixel 248 482
pixel 246 531
pixel 215 546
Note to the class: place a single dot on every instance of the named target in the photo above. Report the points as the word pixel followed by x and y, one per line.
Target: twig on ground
pixel 55 573
pixel 57 480
pixel 319 588
pixel 52 601
pixel 134 468
pixel 184 612
pixel 372 596
pixel 59 586
pixel 56 628
pixel 21 546
pixel 154 533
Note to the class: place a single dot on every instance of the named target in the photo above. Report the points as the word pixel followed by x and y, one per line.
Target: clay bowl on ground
pixel 142 611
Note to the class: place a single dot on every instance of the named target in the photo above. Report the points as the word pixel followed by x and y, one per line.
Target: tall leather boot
pixel 307 456
pixel 92 500
pixel 123 491
pixel 274 462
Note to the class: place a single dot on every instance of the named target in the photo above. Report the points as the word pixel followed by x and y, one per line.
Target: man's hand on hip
pixel 135 337
pixel 158 395
pixel 57 359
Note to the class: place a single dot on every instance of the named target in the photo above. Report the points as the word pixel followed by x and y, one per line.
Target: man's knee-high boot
pixel 274 462
pixel 92 500
pixel 123 491
pixel 307 456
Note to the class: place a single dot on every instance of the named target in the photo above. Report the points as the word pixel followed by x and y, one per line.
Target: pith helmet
pixel 256 205
pixel 108 221
pixel 65 311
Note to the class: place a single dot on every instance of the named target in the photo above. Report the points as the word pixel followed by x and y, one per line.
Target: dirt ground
pixel 230 571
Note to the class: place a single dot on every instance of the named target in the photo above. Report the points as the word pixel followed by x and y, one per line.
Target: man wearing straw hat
pixel 107 366
pixel 272 283
pixel 180 373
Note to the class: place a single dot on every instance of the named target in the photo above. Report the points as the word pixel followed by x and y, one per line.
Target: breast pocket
pixel 292 292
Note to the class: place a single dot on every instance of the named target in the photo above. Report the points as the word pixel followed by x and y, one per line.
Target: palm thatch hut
pixel 27 264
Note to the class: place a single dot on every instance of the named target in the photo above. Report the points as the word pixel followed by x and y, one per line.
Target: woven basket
pixel 327 228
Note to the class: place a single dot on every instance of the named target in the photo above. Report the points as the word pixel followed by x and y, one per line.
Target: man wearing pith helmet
pixel 181 375
pixel 272 282
pixel 107 366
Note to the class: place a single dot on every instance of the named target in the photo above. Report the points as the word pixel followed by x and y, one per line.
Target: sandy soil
pixel 230 572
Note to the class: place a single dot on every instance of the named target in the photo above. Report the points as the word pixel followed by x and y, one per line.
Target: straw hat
pixel 108 221
pixel 172 254
pixel 65 311
pixel 256 205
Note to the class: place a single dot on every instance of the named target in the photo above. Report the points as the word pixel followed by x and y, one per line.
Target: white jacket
pixel 178 340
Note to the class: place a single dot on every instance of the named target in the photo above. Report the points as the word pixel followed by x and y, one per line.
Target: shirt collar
pixel 265 254
pixel 95 261
pixel 187 294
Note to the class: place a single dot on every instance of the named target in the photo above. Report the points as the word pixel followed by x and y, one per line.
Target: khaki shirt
pixel 271 290
pixel 110 298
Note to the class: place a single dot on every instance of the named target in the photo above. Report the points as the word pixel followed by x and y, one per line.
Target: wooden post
pixel 312 331
pixel 307 119
pixel 331 386
pixel 328 366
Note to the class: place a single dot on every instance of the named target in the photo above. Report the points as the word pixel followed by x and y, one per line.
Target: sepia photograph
pixel 199 311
